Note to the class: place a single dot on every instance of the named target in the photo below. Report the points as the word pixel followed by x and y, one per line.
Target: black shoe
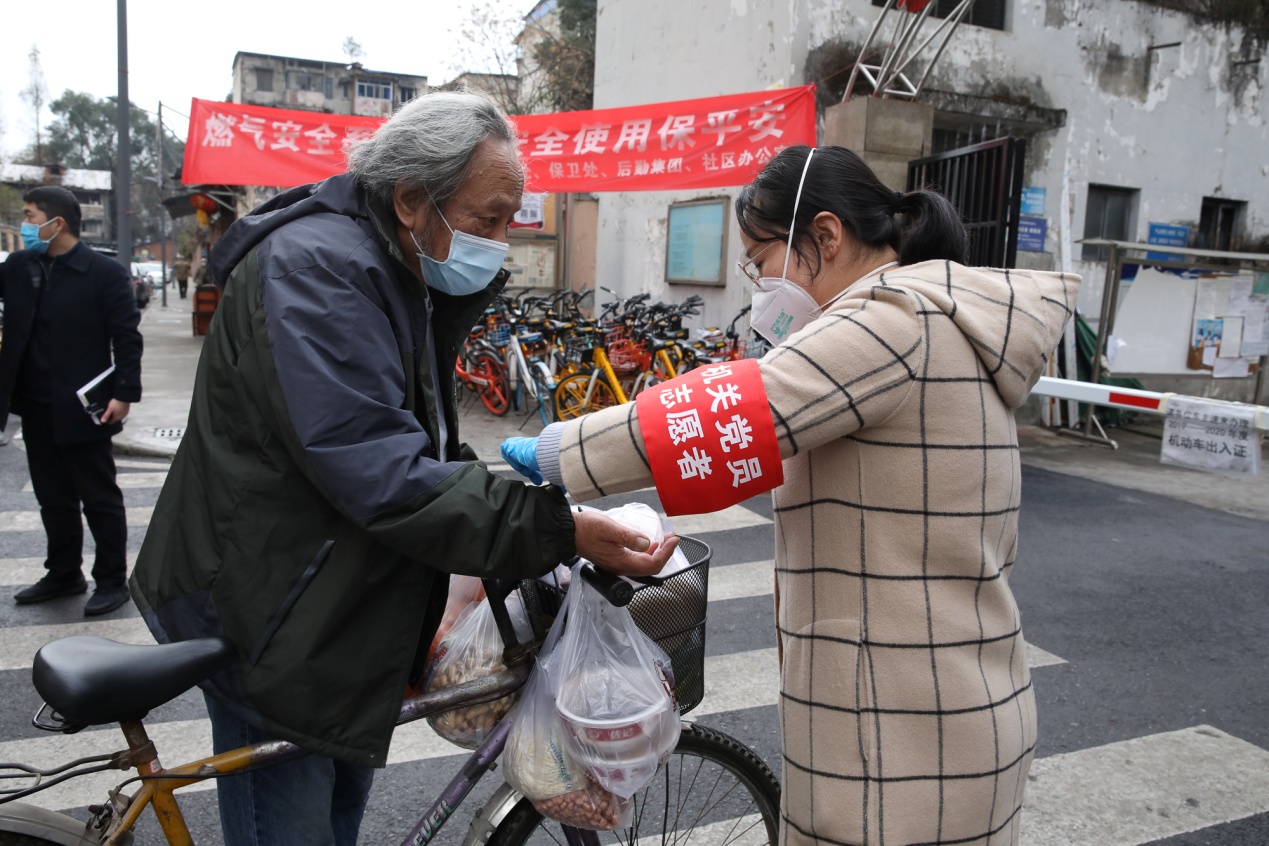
pixel 49 588
pixel 105 600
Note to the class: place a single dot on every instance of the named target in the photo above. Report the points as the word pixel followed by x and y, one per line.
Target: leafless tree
pixel 353 50
pixel 36 95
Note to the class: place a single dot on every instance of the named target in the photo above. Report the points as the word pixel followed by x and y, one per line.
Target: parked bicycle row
pixel 550 355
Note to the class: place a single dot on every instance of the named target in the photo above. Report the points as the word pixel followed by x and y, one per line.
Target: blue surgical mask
pixel 471 266
pixel 30 233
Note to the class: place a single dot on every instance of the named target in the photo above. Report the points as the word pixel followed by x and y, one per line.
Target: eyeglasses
pixel 747 265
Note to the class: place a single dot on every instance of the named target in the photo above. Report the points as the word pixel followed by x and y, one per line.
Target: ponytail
pixel 920 225
pixel 930 228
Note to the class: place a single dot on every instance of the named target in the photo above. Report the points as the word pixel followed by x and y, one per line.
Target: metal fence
pixel 984 183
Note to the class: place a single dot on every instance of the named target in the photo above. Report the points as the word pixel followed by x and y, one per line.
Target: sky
pixel 179 51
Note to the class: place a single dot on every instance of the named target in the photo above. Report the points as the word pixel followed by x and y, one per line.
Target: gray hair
pixel 427 145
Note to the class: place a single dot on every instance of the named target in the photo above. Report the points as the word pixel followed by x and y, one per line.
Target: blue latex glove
pixel 522 455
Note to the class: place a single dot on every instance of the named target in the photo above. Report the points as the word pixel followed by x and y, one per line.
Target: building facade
pixel 1135 115
pixel 91 187
pixel 286 82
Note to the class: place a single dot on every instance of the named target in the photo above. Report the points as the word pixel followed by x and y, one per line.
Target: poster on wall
pixel 1168 235
pixel 697 242
pixel 532 264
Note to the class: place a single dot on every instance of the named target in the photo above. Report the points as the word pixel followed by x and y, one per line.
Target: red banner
pixel 710 438
pixel 708 143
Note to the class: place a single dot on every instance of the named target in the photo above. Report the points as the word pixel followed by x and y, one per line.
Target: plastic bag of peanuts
pixel 472 649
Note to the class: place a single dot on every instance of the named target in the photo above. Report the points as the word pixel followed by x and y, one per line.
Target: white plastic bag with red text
pixel 614 690
pixel 537 763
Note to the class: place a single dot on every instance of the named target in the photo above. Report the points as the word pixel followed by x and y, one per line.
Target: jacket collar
pixel 77 258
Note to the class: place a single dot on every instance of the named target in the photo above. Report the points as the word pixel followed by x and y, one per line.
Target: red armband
pixel 710 438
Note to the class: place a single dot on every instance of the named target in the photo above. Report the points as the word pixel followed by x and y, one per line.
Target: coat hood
pixel 338 194
pixel 1013 318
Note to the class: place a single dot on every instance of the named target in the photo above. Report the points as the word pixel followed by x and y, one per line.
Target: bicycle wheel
pixel 714 791
pixel 543 394
pixel 496 395
pixel 26 825
pixel 570 396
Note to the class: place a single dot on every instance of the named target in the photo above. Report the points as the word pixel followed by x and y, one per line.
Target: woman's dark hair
pixel 920 225
pixel 56 201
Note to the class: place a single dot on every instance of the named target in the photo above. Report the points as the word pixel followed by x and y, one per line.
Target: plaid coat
pixel 906 702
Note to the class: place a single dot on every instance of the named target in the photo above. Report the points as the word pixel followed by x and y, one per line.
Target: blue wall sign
pixel 1168 235
pixel 1031 233
pixel 1033 201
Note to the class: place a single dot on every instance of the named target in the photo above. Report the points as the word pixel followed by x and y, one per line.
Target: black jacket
pixel 309 515
pixel 96 312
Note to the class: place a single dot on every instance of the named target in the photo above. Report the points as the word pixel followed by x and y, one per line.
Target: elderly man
pixel 321 496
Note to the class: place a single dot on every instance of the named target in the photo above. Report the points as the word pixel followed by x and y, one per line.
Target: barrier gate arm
pixel 1131 399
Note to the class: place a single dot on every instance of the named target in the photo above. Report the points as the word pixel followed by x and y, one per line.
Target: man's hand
pixel 115 411
pixel 612 547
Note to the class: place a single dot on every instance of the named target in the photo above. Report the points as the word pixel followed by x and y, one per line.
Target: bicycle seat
pixel 93 681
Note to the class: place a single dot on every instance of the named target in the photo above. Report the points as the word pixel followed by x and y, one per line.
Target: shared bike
pixel 712 791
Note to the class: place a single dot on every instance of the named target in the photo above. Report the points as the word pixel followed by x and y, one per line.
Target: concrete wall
pixel 1178 123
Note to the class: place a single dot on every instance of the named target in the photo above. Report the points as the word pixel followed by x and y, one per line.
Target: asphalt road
pixel 1147 613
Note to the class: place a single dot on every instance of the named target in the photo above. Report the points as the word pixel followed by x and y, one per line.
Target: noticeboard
pixel 697 242
pixel 1032 232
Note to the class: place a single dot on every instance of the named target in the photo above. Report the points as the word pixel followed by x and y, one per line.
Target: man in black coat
pixel 66 308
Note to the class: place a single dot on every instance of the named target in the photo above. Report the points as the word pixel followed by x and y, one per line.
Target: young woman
pixel 906 703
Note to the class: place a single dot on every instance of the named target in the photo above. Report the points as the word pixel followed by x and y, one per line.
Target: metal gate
pixel 984 183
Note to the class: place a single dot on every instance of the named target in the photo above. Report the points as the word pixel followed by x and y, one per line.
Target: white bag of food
pixel 537 761
pixel 614 689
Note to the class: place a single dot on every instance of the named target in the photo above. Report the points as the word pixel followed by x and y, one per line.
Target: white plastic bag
pixel 471 649
pixel 614 689
pixel 647 522
pixel 537 761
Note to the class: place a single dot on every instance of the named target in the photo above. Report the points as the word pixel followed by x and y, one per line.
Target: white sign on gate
pixel 1213 436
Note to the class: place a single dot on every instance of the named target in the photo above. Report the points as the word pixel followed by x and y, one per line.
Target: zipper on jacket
pixel 310 572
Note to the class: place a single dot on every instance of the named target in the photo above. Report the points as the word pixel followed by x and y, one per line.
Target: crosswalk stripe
pixel 28 571
pixel 137 516
pixel 143 465
pixel 22 642
pixel 29 521
pixel 735 517
pixel 127 481
pixel 733 581
pixel 1145 789
pixel 732 683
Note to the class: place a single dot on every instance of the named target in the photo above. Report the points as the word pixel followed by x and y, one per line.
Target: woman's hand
pixel 619 550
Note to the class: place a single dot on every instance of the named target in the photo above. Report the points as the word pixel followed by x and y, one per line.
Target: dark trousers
pixel 311 801
pixel 67 478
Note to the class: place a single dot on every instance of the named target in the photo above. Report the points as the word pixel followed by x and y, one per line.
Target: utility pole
pixel 123 176
pixel 158 146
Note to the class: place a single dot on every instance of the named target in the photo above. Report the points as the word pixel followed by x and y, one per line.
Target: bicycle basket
pixel 578 349
pixel 500 334
pixel 672 613
pixel 627 356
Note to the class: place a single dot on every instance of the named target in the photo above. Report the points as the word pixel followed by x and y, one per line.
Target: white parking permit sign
pixel 1213 436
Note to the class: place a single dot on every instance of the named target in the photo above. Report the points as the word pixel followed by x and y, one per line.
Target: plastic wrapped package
pixel 472 649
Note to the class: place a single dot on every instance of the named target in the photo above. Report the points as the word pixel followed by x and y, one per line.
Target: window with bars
pixel 1218 221
pixel 1109 214
pixel 984 13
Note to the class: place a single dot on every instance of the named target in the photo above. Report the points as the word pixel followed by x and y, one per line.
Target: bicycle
pixel 480 369
pixel 712 788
